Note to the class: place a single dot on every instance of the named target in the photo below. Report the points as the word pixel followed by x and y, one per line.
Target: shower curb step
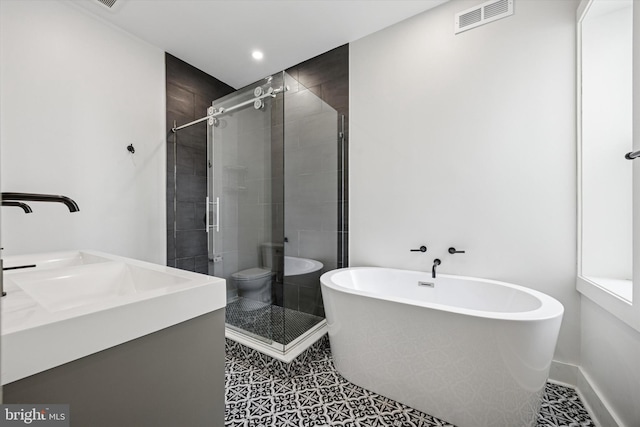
pixel 302 364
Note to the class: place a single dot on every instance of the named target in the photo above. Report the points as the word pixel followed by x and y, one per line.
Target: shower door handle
pixel 206 214
pixel 217 224
pixel 217 202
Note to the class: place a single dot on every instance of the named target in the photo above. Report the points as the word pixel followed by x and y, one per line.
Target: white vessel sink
pixel 76 303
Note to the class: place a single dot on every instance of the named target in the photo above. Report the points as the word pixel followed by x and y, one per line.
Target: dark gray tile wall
pixel 189 93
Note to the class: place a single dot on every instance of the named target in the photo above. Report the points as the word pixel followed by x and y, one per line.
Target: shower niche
pixel 272 213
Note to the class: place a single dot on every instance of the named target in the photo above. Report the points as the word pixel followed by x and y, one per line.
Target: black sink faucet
pixel 18 199
pixel 436 262
pixel 25 207
pixel 31 197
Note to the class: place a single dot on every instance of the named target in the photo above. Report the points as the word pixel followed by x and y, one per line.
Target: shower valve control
pixel 454 251
pixel 420 249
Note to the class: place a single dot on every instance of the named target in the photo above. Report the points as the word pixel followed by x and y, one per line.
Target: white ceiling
pixel 218 36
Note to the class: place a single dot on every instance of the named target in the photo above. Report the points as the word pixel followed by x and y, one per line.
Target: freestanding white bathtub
pixel 473 352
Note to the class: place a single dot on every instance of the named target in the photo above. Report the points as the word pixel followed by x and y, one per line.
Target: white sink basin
pixel 72 304
pixel 53 260
pixel 69 287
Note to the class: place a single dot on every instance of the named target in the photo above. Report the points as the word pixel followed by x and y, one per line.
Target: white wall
pixel 469 141
pixel 74 93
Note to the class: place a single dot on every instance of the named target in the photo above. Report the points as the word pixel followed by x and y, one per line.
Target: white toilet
pixel 255 283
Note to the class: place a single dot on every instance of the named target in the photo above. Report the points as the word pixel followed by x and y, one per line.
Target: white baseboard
pixel 573 376
pixel 564 373
pixel 595 403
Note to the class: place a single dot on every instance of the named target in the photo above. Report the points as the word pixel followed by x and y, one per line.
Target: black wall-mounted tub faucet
pixel 436 262
pixel 31 197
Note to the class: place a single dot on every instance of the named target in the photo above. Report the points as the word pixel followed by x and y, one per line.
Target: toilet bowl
pixel 254 284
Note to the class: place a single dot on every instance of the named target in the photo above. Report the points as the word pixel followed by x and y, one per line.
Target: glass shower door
pixel 273 208
pixel 244 147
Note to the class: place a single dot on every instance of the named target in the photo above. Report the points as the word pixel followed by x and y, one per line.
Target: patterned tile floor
pixel 314 394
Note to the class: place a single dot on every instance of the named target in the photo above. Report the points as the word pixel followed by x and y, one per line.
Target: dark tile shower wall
pixel 189 93
pixel 327 76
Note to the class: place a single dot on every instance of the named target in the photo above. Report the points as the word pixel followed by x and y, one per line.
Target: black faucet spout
pixel 436 262
pixel 25 207
pixel 32 197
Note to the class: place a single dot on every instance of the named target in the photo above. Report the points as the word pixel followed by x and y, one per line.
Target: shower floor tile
pixel 319 396
pixel 272 322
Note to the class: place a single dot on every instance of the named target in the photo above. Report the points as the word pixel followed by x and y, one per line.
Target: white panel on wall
pixel 468 140
pixel 610 353
pixel 74 93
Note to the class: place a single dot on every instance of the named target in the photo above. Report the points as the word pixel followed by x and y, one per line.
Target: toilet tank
pixel 271 252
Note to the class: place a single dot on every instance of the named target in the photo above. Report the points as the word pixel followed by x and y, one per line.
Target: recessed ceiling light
pixel 257 55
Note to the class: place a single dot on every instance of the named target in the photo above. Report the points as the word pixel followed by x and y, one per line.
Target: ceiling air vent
pixel 482 14
pixel 108 3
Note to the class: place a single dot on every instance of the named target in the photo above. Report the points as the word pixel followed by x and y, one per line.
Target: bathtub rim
pixel 550 308
pixel 318 266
